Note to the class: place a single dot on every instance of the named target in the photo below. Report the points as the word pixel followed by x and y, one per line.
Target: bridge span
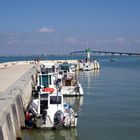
pixel 105 53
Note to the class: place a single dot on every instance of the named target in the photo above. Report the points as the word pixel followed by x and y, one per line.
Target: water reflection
pixel 92 74
pixel 88 79
pixel 37 134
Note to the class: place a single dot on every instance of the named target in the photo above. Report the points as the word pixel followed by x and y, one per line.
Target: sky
pixel 61 26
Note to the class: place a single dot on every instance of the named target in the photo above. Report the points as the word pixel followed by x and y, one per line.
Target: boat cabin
pixel 48 68
pixel 46 80
pixel 50 103
pixel 67 67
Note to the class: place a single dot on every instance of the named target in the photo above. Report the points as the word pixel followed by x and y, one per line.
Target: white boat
pixel 72 89
pixel 88 64
pixel 47 67
pixel 50 112
pixel 69 85
pixel 68 67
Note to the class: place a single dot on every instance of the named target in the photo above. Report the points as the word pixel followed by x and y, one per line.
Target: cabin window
pixel 55 99
pixel 65 68
pixel 45 80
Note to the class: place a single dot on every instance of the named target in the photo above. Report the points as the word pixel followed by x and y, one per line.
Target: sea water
pixel 110 108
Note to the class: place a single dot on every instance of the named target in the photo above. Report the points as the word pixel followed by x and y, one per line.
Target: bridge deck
pixel 105 53
pixel 9 75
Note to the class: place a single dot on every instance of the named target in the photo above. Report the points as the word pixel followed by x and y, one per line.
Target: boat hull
pixel 65 118
pixel 68 122
pixel 72 90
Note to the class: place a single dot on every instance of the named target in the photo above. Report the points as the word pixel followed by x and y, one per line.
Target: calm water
pixel 110 108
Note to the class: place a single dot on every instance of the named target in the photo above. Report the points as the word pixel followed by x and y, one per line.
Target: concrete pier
pixel 15 93
pixel 11 74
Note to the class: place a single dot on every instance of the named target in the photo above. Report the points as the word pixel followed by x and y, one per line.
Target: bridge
pixel 105 53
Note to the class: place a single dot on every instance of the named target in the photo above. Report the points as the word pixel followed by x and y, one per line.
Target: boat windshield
pixel 45 80
pixel 55 99
pixel 50 70
pixel 65 68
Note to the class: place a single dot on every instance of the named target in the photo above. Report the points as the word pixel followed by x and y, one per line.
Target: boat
pixel 71 86
pixel 50 112
pixel 68 67
pixel 113 60
pixel 63 79
pixel 68 84
pixel 88 64
pixel 47 67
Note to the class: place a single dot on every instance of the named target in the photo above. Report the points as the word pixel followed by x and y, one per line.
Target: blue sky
pixel 61 26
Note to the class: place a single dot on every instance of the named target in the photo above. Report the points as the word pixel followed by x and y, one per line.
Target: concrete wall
pixel 13 103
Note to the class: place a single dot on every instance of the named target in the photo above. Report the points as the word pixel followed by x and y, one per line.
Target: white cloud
pixel 45 30
pixel 70 40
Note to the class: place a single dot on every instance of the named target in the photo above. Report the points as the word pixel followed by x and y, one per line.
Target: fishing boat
pixel 64 80
pixel 48 67
pixel 68 84
pixel 88 64
pixel 71 86
pixel 68 67
pixel 49 111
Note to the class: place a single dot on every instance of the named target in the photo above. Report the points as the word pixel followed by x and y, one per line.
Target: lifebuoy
pixel 48 90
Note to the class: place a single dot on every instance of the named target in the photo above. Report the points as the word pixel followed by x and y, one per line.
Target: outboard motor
pixel 58 119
